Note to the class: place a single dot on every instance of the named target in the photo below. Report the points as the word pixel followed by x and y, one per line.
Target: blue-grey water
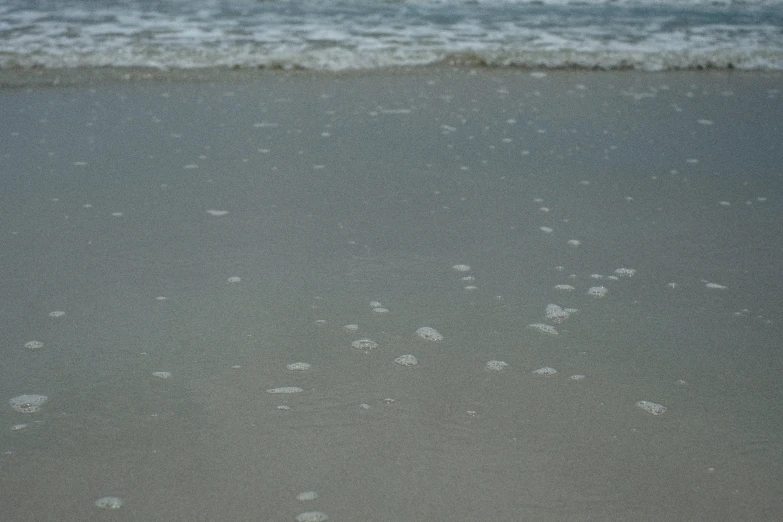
pixel 354 35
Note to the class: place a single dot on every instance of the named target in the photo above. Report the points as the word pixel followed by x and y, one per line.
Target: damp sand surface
pixel 226 227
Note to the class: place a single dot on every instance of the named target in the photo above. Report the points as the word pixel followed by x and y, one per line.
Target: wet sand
pixel 128 205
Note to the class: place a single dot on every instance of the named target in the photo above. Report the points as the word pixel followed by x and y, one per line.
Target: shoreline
pixel 14 78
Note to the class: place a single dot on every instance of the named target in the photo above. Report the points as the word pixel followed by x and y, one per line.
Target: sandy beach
pixel 221 225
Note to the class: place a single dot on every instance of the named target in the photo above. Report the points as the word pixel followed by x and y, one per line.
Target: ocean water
pixel 371 34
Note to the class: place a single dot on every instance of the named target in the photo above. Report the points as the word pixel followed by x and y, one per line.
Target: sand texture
pixel 242 231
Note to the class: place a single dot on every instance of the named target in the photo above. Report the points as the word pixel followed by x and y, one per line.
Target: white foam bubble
pixel 496 366
pixel 428 333
pixel 28 403
pixel 307 495
pixel 653 408
pixel 556 313
pixel 597 291
pixel 162 375
pixel 234 279
pixel 407 360
pixel 544 328
pixel 285 389
pixel 109 503
pixel 364 344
